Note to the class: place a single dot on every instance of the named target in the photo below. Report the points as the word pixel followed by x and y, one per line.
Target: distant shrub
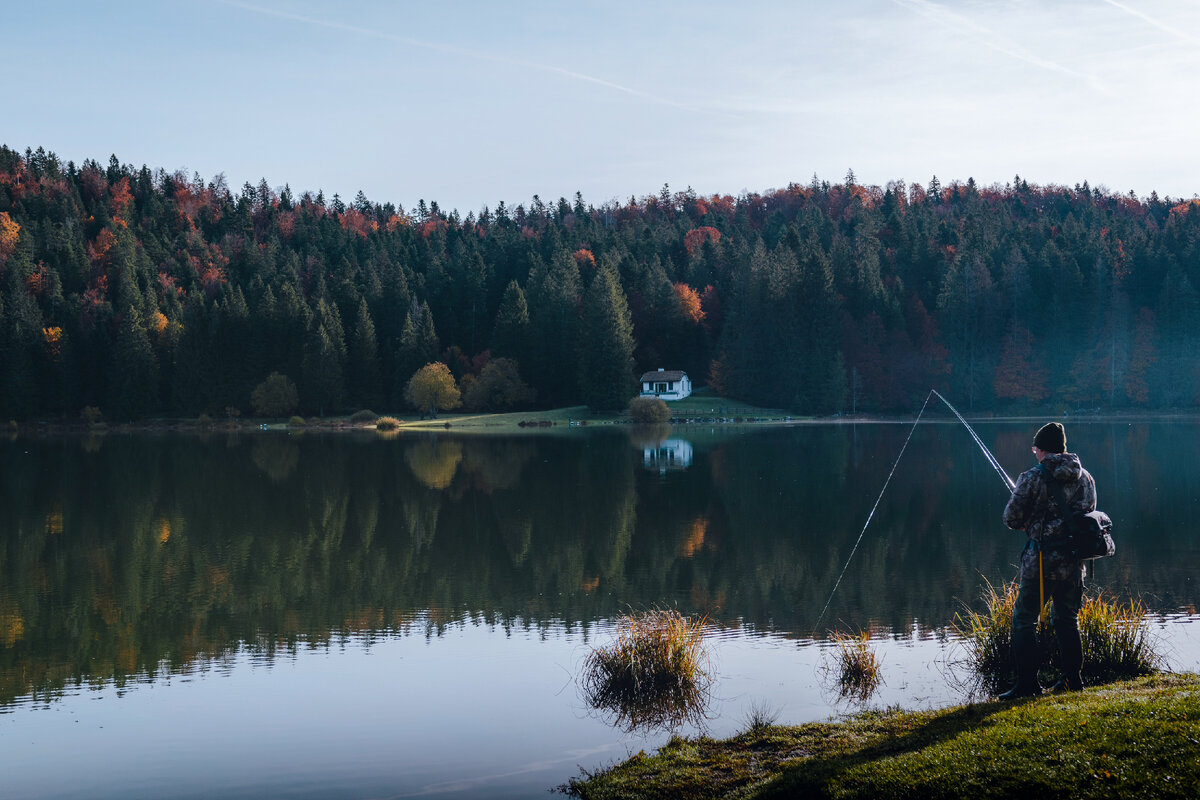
pixel 387 424
pixel 12 425
pixel 275 396
pixel 204 420
pixel 364 416
pixel 297 422
pixel 649 410
pixel 91 415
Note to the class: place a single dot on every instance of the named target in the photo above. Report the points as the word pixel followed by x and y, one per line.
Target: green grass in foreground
pixel 1135 739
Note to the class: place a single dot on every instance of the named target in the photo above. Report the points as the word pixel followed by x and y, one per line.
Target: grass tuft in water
pixel 654 675
pixel 760 717
pixel 856 666
pixel 387 424
pixel 1117 642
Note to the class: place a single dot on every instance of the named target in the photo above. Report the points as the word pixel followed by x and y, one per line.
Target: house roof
pixel 668 375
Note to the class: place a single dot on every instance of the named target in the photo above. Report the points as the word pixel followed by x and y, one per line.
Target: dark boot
pixel 1070 651
pixel 1024 654
pixel 1020 690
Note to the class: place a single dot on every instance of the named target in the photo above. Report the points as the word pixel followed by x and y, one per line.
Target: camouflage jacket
pixel 1032 510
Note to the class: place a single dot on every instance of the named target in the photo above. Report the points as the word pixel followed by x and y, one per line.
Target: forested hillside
pixel 145 293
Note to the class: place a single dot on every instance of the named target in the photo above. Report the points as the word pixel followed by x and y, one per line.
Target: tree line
pixel 146 293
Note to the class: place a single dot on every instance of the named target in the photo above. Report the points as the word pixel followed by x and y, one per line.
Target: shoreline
pixel 1129 739
pixel 552 420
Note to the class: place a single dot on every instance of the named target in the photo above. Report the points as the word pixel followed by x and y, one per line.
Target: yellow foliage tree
pixel 9 232
pixel 432 389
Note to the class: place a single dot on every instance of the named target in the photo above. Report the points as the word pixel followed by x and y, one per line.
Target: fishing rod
pixel 991 459
pixel 1009 483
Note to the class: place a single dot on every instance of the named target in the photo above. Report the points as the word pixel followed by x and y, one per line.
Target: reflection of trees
pixel 153 552
pixel 276 457
pixel 646 435
pixel 434 461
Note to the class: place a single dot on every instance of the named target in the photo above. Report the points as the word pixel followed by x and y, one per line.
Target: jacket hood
pixel 1064 467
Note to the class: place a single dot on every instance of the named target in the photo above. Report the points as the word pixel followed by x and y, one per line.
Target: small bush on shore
pixel 364 416
pixel 654 675
pixel 1116 642
pixel 387 424
pixel 297 422
pixel 649 410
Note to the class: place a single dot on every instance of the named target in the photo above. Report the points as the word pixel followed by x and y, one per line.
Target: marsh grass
pixel 855 668
pixel 654 675
pixel 760 716
pixel 1117 642
pixel 387 424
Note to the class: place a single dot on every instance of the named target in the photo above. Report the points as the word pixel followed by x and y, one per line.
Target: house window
pixel 660 387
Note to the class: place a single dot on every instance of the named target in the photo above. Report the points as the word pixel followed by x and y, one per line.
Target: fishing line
pixel 991 459
pixel 872 514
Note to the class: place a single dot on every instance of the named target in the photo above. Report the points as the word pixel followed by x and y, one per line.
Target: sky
pixel 473 103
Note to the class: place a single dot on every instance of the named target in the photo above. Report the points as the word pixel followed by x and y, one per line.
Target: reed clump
pixel 856 666
pixel 1117 642
pixel 654 675
pixel 387 424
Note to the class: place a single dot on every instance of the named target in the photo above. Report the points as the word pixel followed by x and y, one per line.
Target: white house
pixel 667 384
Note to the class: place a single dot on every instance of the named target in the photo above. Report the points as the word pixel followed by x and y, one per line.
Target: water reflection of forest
pixel 135 554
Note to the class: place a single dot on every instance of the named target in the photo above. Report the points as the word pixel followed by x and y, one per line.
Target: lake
pixel 316 615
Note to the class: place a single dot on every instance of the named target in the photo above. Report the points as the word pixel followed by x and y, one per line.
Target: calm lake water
pixel 342 615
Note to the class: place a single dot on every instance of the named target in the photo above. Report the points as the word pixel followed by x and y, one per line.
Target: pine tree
pixel 606 379
pixel 418 344
pixel 364 361
pixel 553 294
pixel 510 338
pixel 133 373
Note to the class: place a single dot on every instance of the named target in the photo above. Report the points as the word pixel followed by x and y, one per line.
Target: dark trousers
pixel 1066 596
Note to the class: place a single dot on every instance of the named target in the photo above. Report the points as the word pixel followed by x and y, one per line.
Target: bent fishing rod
pixel 991 459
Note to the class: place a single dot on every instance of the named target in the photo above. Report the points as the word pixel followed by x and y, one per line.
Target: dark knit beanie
pixel 1052 438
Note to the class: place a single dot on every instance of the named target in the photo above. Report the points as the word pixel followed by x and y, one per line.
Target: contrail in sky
pixel 945 16
pixel 460 51
pixel 1187 37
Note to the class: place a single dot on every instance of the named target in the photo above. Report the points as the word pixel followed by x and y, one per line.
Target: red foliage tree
pixel 584 258
pixel 695 238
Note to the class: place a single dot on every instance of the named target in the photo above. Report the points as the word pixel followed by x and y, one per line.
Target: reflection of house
pixel 670 454
pixel 668 384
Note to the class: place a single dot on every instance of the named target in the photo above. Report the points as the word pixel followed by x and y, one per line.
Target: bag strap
pixel 1058 496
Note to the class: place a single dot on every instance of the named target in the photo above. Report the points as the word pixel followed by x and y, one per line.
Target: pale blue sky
pixel 472 103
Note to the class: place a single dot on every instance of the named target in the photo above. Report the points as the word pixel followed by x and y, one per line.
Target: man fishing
pixel 1045 574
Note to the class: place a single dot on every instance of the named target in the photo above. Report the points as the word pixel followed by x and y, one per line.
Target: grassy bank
pixel 1133 739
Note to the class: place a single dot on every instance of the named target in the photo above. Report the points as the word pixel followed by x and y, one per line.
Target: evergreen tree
pixel 606 379
pixel 418 344
pixel 364 361
pixel 133 373
pixel 510 338
pixel 554 324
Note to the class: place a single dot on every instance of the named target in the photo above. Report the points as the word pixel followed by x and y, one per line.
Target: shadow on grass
pixel 813 776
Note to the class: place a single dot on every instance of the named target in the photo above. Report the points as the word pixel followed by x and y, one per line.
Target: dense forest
pixel 144 293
